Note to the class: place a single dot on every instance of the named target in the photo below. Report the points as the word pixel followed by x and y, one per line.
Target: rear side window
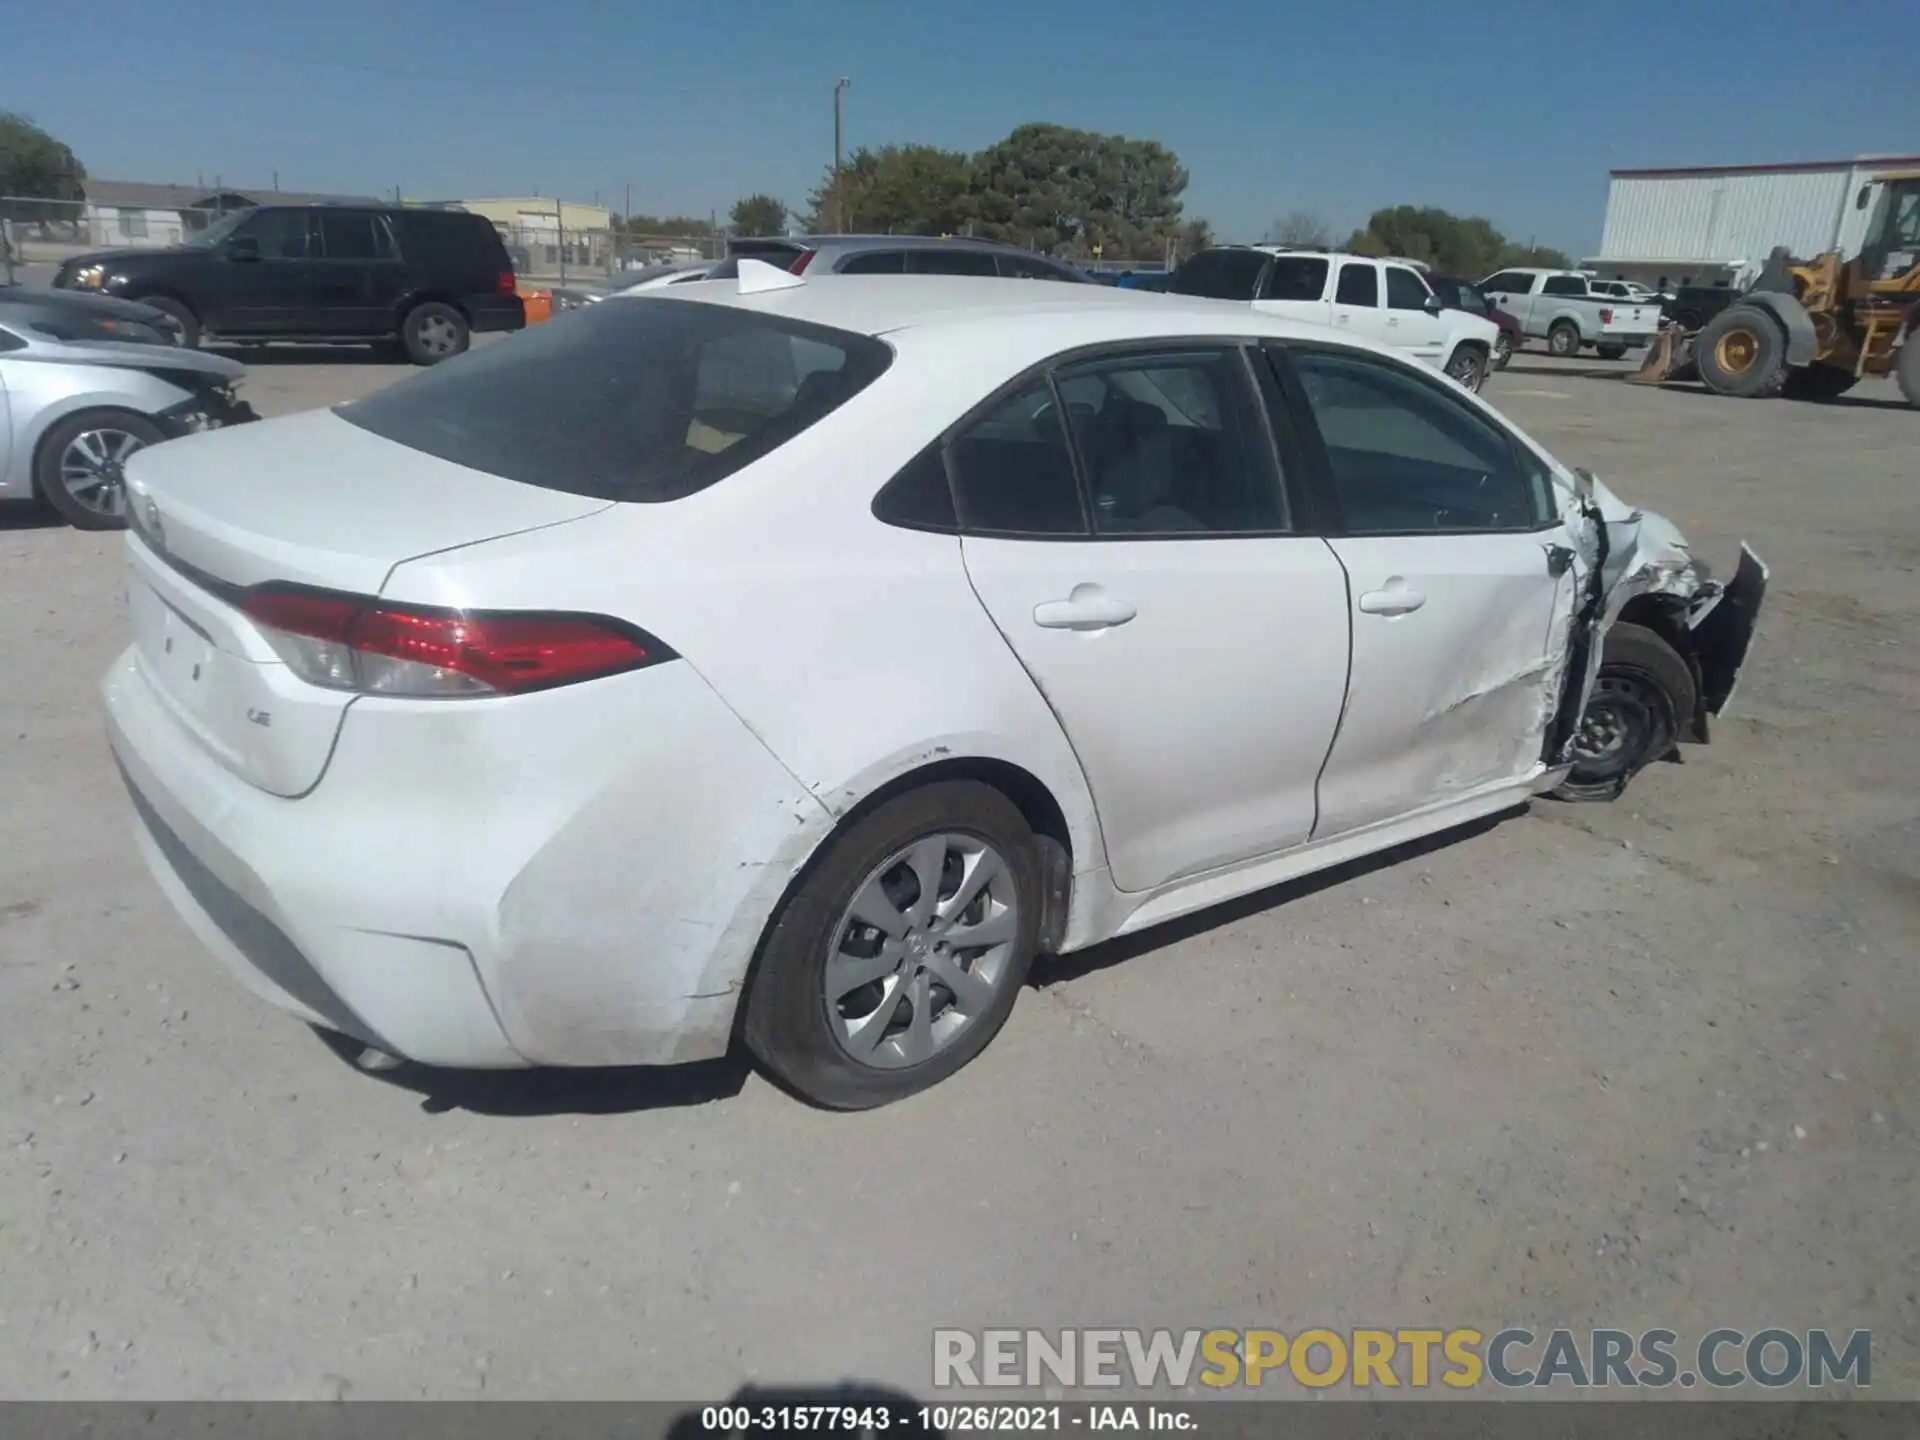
pixel 448 239
pixel 346 235
pixel 951 262
pixel 1295 277
pixel 1013 471
pixel 1359 285
pixel 647 400
pixel 876 262
pixel 1564 285
pixel 1220 275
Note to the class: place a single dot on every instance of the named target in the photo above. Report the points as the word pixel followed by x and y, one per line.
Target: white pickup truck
pixel 1556 306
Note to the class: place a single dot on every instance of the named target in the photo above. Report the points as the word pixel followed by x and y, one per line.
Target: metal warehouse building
pixel 1716 224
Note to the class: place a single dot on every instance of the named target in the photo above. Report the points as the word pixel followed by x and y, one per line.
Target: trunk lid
pixel 309 499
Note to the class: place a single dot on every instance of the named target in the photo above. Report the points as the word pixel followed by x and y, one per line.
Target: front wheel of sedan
pixel 1641 697
pixel 901 952
pixel 80 467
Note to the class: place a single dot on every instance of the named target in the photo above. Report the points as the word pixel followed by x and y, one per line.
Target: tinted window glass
pixel 1405 290
pixel 1027 267
pixel 1564 285
pixel 1173 444
pixel 280 234
pixel 1508 283
pixel 919 497
pixel 348 236
pixel 1220 275
pixel 1295 277
pixel 1359 285
pixel 875 262
pixel 1408 458
pixel 447 238
pixel 1013 472
pixel 1467 297
pixel 951 262
pixel 644 400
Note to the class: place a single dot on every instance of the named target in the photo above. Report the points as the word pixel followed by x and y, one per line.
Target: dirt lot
pixel 1643 1064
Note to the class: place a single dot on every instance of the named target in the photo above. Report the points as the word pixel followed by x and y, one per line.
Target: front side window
pixel 1013 469
pixel 1407 458
pixel 645 401
pixel 1173 444
pixel 1295 277
pixel 1405 290
pixel 280 234
pixel 1359 285
pixel 1508 282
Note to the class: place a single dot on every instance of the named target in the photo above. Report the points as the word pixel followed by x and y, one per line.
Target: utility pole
pixel 839 197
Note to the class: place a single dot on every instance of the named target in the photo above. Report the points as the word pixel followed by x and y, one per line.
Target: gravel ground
pixel 1643 1064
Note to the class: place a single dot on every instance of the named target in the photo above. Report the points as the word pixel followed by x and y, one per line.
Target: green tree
pixel 35 166
pixel 1195 235
pixel 758 214
pixel 1469 247
pixel 897 189
pixel 1067 190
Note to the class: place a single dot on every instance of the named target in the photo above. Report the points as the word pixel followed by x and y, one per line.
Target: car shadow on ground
pixel 29 515
pixel 1569 372
pixel 520 1094
pixel 256 357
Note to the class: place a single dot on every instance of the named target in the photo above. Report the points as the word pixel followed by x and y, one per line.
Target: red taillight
pixel 1606 317
pixel 801 261
pixel 348 642
pixel 507 282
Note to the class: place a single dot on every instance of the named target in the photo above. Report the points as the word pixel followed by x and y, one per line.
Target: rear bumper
pixel 489 313
pixel 493 884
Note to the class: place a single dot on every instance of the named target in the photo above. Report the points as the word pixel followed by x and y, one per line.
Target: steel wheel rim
pixel 1617 725
pixel 93 469
pixel 1736 351
pixel 922 952
pixel 436 334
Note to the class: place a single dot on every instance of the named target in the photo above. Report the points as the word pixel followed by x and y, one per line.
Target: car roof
pixel 1304 252
pixel 1057 317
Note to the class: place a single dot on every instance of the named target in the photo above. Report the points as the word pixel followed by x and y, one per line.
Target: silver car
pixel 85 385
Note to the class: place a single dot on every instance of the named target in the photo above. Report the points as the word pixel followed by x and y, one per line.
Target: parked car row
pixel 1561 308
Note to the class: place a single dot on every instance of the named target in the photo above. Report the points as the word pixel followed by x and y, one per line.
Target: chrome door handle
pixel 1394 600
pixel 1087 608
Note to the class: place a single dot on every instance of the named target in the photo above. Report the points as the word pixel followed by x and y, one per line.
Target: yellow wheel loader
pixel 1811 329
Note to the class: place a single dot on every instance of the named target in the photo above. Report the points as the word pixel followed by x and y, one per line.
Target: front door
pixel 268 277
pixel 358 274
pixel 1461 586
pixel 1411 326
pixel 1193 647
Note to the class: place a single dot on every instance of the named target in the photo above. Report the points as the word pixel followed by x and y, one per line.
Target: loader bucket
pixel 1669 357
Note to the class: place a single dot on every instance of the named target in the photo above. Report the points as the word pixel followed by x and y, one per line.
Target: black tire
pixel 1643 694
pixel 1503 351
pixel 1563 339
pixel 1907 369
pixel 433 332
pixel 185 319
pixel 787 1024
pixel 1818 382
pixel 1467 366
pixel 1610 352
pixel 49 469
pixel 1742 353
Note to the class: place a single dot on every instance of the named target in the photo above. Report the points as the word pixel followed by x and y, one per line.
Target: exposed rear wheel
pixel 433 332
pixel 900 954
pixel 1643 694
pixel 79 468
pixel 1564 339
pixel 1609 352
pixel 1742 353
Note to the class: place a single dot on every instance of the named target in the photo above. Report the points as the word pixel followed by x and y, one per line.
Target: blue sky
pixel 1505 109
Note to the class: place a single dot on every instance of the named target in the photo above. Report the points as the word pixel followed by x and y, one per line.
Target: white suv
pixel 1386 301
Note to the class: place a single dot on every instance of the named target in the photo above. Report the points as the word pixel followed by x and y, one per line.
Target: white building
pixel 1716 224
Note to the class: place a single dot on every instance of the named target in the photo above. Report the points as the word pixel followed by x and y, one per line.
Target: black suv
pixel 422 279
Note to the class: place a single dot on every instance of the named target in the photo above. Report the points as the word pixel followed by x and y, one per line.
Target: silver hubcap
pixel 436 334
pixel 1464 369
pixel 93 469
pixel 923 951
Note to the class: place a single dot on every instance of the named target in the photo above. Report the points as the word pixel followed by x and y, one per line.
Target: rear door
pixel 1146 565
pixel 1295 287
pixel 1461 586
pixel 359 273
pixel 1358 305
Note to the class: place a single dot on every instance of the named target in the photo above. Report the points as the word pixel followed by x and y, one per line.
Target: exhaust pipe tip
pixel 377 1061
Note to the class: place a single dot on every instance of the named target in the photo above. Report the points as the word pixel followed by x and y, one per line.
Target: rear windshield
pixel 634 399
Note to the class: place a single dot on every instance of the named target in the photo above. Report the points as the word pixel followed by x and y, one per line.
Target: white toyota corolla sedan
pixel 791 660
